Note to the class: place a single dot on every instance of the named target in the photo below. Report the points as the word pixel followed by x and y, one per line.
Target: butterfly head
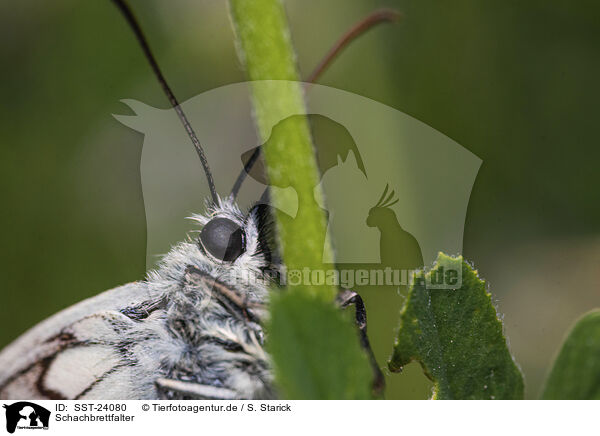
pixel 230 240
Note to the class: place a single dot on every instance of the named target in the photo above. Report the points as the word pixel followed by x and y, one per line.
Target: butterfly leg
pixel 195 390
pixel 345 298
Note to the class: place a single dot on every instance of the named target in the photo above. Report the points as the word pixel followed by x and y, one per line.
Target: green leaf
pixel 457 338
pixel 315 349
pixel 576 371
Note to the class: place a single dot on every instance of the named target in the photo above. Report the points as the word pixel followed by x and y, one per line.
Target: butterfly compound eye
pixel 223 239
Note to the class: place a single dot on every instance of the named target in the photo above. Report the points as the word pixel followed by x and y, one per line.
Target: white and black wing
pixel 81 352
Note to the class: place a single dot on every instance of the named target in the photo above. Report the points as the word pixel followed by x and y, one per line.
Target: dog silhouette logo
pixel 26 415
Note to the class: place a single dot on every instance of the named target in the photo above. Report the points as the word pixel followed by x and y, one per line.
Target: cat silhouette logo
pixel 26 415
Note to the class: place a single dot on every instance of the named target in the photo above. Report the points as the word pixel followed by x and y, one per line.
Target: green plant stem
pixel 265 48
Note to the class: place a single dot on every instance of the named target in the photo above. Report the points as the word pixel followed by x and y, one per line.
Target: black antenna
pixel 244 172
pixel 131 20
pixel 374 18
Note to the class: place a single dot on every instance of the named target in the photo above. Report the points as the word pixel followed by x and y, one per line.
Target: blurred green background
pixel 513 82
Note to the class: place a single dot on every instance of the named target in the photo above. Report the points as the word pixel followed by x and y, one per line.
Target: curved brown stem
pixel 377 17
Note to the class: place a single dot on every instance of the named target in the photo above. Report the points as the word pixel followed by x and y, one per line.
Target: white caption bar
pixel 297 417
